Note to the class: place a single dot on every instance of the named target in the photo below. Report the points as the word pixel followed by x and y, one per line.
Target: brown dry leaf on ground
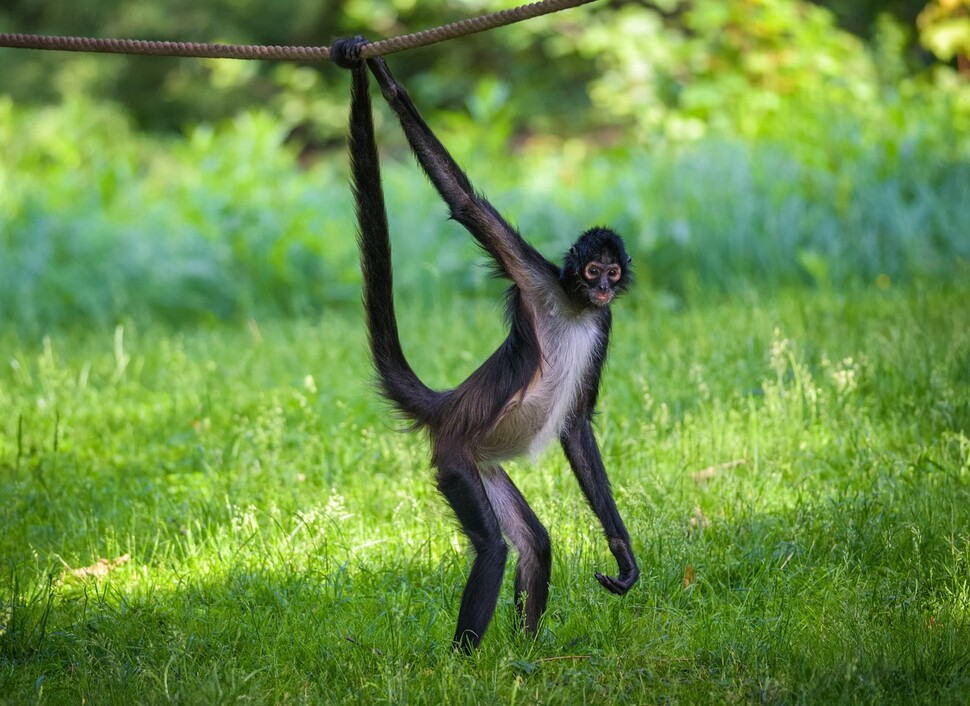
pixel 689 577
pixel 698 521
pixel 100 568
pixel 705 474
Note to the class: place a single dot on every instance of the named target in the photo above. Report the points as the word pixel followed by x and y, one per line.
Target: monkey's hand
pixel 629 572
pixel 345 53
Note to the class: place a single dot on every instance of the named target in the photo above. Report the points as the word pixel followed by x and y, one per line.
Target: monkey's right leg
pixel 460 483
pixel 523 528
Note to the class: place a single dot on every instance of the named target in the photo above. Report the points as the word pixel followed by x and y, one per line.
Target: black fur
pixel 541 382
pixel 398 382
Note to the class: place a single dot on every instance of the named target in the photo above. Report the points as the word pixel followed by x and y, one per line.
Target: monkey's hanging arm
pixel 517 258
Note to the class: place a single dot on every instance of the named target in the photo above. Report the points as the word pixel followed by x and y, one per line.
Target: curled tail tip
pixel 345 52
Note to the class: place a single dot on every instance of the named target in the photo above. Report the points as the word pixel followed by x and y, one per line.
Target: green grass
pixel 795 472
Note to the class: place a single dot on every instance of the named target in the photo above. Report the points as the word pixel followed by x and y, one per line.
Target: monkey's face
pixel 596 268
pixel 601 277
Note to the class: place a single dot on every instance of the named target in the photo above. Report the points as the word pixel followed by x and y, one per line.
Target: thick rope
pixel 286 53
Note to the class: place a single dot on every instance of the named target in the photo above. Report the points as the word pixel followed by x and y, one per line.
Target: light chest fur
pixel 538 414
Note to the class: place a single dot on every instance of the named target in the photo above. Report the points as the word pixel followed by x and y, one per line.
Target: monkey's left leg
pixel 525 531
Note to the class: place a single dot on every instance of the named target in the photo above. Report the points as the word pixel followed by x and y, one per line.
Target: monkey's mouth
pixel 600 297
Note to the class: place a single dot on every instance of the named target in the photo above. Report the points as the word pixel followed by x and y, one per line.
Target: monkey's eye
pixel 613 274
pixel 591 272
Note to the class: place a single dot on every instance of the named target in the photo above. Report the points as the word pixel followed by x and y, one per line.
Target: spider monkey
pixel 540 384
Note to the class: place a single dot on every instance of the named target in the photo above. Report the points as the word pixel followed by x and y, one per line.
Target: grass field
pixel 228 514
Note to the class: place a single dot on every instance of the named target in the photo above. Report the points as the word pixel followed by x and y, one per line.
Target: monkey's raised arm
pixel 519 260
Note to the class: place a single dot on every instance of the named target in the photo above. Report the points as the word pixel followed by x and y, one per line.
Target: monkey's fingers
pixel 628 570
pixel 618 584
pixel 345 53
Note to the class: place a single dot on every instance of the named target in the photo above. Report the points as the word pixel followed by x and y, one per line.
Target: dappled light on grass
pixel 248 523
pixel 101 568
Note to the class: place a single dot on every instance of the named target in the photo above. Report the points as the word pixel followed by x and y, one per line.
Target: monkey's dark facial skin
pixel 601 277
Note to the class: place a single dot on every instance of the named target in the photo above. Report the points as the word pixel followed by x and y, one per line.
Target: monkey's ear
pixel 628 260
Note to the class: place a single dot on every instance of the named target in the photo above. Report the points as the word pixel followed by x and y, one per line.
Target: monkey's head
pixel 596 269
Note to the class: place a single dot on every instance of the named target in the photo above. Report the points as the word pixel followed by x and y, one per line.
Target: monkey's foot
pixel 345 53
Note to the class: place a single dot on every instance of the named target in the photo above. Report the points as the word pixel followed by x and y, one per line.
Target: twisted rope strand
pixel 200 50
pixel 205 50
pixel 469 26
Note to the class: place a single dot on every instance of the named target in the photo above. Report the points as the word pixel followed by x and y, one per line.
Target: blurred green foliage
pixel 742 144
pixel 683 66
pixel 945 29
pixel 167 93
pixel 99 223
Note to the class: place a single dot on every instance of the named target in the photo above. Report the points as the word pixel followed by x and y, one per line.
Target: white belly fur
pixel 537 415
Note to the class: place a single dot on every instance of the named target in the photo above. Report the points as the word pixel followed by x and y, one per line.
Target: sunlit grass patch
pixel 230 512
